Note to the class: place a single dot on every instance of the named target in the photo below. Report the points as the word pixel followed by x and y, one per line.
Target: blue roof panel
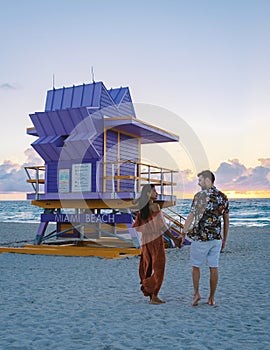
pixel 96 94
pixel 67 98
pixel 118 94
pixel 49 101
pixel 77 96
pixel 57 99
pixel 86 95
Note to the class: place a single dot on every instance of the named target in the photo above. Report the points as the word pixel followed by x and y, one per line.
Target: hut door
pixel 121 155
pixel 128 159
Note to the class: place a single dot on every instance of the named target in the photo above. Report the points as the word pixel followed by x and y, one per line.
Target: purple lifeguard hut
pixel 90 140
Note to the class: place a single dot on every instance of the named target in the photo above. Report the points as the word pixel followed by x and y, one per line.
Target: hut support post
pixel 171 185
pixel 99 230
pixel 42 228
pixel 41 231
pixel 161 181
pixel 113 184
pixel 37 183
pixel 135 181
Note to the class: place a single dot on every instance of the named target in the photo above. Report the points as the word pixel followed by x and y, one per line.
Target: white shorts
pixel 209 251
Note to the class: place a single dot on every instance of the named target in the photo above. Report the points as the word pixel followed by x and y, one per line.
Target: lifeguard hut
pixel 90 140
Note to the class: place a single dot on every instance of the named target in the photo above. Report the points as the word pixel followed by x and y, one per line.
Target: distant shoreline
pixel 178 198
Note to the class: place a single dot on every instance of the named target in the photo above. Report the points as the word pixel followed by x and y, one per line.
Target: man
pixel 208 207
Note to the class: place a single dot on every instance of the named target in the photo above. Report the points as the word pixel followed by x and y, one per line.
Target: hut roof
pixel 93 95
pixel 87 108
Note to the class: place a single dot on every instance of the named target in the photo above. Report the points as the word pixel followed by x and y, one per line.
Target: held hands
pixel 179 241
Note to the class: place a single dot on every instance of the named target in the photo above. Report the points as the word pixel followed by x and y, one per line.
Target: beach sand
pixel 52 302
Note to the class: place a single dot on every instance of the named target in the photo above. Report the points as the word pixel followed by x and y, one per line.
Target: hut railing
pixel 137 173
pixel 142 173
pixel 36 177
pixel 174 218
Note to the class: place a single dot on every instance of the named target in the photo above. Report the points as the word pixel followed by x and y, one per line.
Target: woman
pixel 150 223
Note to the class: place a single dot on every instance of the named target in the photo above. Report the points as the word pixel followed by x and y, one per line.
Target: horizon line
pixel 21 196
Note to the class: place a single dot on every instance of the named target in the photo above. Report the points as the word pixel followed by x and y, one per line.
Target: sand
pixel 50 302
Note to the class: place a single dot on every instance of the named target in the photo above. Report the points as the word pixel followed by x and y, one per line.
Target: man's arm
pixel 225 229
pixel 188 223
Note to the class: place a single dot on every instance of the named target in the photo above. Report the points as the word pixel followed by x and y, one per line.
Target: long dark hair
pixel 144 201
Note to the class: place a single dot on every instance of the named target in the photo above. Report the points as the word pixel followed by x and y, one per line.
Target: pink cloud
pixel 32 158
pixel 13 176
pixel 234 176
pixel 265 162
pixel 230 176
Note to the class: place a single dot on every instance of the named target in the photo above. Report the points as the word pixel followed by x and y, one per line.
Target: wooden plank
pixel 119 177
pixel 164 182
pixel 39 167
pixel 132 177
pixel 71 250
pixel 87 203
pixel 40 181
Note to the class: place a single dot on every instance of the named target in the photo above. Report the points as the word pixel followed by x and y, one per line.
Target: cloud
pixel 8 86
pixel 265 162
pixel 13 176
pixel 32 158
pixel 229 172
pixel 234 176
pixel 230 176
pixel 186 182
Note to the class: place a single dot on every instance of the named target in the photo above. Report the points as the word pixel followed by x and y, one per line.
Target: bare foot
pixel 211 302
pixel 155 300
pixel 196 299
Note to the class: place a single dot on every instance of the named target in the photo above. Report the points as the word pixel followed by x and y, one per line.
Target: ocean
pixel 243 212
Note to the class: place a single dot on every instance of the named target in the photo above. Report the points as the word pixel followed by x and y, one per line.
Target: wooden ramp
pixel 104 247
pixel 110 251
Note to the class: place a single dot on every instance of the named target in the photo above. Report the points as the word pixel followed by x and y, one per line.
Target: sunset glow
pixel 247 194
pixel 214 82
pixel 234 194
pixel 13 196
pixel 230 194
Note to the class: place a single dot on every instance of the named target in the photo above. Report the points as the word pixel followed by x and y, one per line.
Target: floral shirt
pixel 208 206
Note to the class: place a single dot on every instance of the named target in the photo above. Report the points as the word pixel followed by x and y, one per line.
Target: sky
pixel 206 62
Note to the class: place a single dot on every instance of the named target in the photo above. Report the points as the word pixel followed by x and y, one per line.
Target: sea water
pixel 243 212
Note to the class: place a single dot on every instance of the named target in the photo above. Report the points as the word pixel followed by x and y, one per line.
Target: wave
pixel 243 212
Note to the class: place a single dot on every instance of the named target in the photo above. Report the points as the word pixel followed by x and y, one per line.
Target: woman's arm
pixel 178 241
pixel 136 223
